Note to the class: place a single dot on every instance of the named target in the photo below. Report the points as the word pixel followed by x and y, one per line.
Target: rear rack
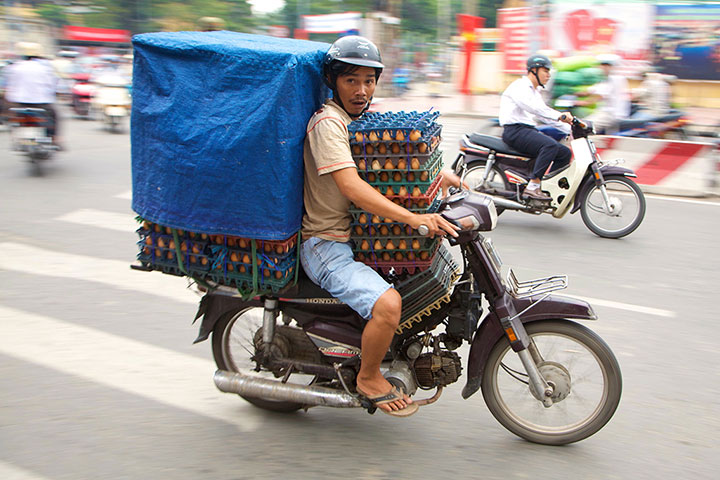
pixel 538 286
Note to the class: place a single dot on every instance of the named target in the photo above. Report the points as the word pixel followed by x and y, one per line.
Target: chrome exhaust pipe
pixel 507 203
pixel 310 395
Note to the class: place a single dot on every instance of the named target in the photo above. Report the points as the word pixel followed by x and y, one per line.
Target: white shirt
pixel 30 81
pixel 615 96
pixel 522 103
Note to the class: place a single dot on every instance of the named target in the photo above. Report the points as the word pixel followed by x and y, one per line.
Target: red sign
pixel 515 25
pixel 87 34
pixel 278 31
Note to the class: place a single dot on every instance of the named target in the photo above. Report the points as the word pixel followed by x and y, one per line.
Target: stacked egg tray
pixel 397 154
pixel 427 291
pixel 223 259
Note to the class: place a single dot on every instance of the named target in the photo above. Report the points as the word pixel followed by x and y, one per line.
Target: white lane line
pixel 122 222
pixel 125 195
pixel 683 200
pixel 164 376
pixel 20 258
pixel 23 258
pixel 598 302
pixel 11 472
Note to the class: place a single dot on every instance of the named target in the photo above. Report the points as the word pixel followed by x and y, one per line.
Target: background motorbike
pixel 543 376
pixel 610 202
pixel 112 100
pixel 82 93
pixel 29 134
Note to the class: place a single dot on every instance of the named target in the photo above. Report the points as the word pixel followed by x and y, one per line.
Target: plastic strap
pixel 178 254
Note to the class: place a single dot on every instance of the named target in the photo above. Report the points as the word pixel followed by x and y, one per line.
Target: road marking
pixel 158 374
pixel 122 222
pixel 597 302
pixel 125 195
pixel 682 200
pixel 20 258
pixel 27 259
pixel 11 472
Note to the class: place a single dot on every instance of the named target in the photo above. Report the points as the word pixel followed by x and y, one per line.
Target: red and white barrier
pixel 668 167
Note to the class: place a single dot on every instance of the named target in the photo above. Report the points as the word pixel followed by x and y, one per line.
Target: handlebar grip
pixel 423 230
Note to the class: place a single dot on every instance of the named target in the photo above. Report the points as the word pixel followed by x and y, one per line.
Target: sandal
pixel 393 395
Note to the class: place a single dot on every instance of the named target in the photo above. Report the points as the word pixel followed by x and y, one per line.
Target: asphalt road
pixel 99 378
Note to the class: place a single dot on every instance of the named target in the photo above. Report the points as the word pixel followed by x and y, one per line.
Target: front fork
pixel 461 168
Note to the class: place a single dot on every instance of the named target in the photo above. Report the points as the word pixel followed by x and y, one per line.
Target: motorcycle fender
pixel 588 182
pixel 213 307
pixel 490 331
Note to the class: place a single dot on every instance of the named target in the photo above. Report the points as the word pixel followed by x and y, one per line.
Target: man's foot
pixel 535 193
pixel 374 388
pixel 385 402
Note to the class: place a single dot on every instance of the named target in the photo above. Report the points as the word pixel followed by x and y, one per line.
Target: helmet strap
pixel 534 72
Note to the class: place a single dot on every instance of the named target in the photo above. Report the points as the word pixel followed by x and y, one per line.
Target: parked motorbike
pixel 82 94
pixel 543 376
pixel 610 202
pixel 29 134
pixel 112 100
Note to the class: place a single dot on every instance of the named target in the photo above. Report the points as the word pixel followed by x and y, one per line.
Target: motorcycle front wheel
pixel 580 366
pixel 496 181
pixel 627 202
pixel 234 341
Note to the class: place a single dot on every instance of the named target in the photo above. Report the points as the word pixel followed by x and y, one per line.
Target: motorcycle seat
pixel 304 288
pixel 494 143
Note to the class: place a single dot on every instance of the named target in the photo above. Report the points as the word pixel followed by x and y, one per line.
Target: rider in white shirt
pixel 521 107
pixel 32 82
pixel 614 94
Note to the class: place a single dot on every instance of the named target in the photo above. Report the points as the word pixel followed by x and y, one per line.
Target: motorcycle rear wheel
pixel 496 180
pixel 577 361
pixel 233 346
pixel 625 193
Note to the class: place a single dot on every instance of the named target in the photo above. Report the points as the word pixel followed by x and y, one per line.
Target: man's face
pixel 355 89
pixel 543 75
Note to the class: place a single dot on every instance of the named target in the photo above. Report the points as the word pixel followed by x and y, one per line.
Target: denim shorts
pixel 331 265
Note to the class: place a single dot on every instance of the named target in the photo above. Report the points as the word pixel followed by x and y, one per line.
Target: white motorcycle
pixel 112 100
pixel 29 134
pixel 610 202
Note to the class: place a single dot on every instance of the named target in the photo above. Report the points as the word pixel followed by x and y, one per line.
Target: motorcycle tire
pixel 496 180
pixel 583 370
pixel 240 327
pixel 592 210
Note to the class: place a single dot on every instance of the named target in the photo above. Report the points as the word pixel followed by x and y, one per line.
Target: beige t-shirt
pixel 327 149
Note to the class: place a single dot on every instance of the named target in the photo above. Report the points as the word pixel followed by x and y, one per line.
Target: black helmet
pixel 538 61
pixel 352 50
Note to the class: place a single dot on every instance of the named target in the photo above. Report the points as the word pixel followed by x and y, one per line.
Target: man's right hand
pixel 566 117
pixel 435 223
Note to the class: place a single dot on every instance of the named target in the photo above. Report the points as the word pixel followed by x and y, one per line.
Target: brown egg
pixel 375 165
pixel 382 149
pixel 242 243
pixel 356 149
pixel 376 219
pixel 371 177
pixel 234 257
pixel 390 192
pixel 373 137
pixel 422 147
pixel 403 191
pixel 377 245
pixel 386 136
pixel 219 239
pixel 364 245
pixel 389 245
pixel 402 164
pixel 399 257
pixel 195 249
pixel 246 258
pixel 192 234
pixel 384 231
pixel 424 176
pixel 158 228
pixel 410 177
pixel 171 244
pixel 360 256
pixel 386 256
pixel 424 255
pixel 415 244
pixel 384 177
pixel 358 230
pixel 395 148
pixel 422 203
pixel 388 164
pixel 168 230
pixel 230 267
pixel 397 177
pixel 362 164
pixel 170 255
pixel 416 192
pixel 409 229
pixel 372 231
pixel 161 242
pixel 362 218
pixel 183 247
pixel 148 241
pixel 402 244
pixel 267 247
pixel 399 136
pixel 280 249
pixel 204 236
pixel 414 163
pixel 411 255
pixel 396 230
pixel 146 225
pixel 415 135
pixel 266 273
pixel 242 268
pixel 369 149
pixel 204 260
pixel 358 137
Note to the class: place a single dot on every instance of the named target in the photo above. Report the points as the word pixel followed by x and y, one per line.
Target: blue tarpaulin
pixel 218 124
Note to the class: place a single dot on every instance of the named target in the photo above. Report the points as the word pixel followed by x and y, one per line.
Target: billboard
pixel 686 41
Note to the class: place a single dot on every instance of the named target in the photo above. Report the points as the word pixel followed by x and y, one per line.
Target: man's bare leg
pixel 376 339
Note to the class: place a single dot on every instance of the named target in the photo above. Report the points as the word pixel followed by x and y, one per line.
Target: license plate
pixel 29 132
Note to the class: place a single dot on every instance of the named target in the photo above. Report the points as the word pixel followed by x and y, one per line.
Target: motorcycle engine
pixel 437 370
